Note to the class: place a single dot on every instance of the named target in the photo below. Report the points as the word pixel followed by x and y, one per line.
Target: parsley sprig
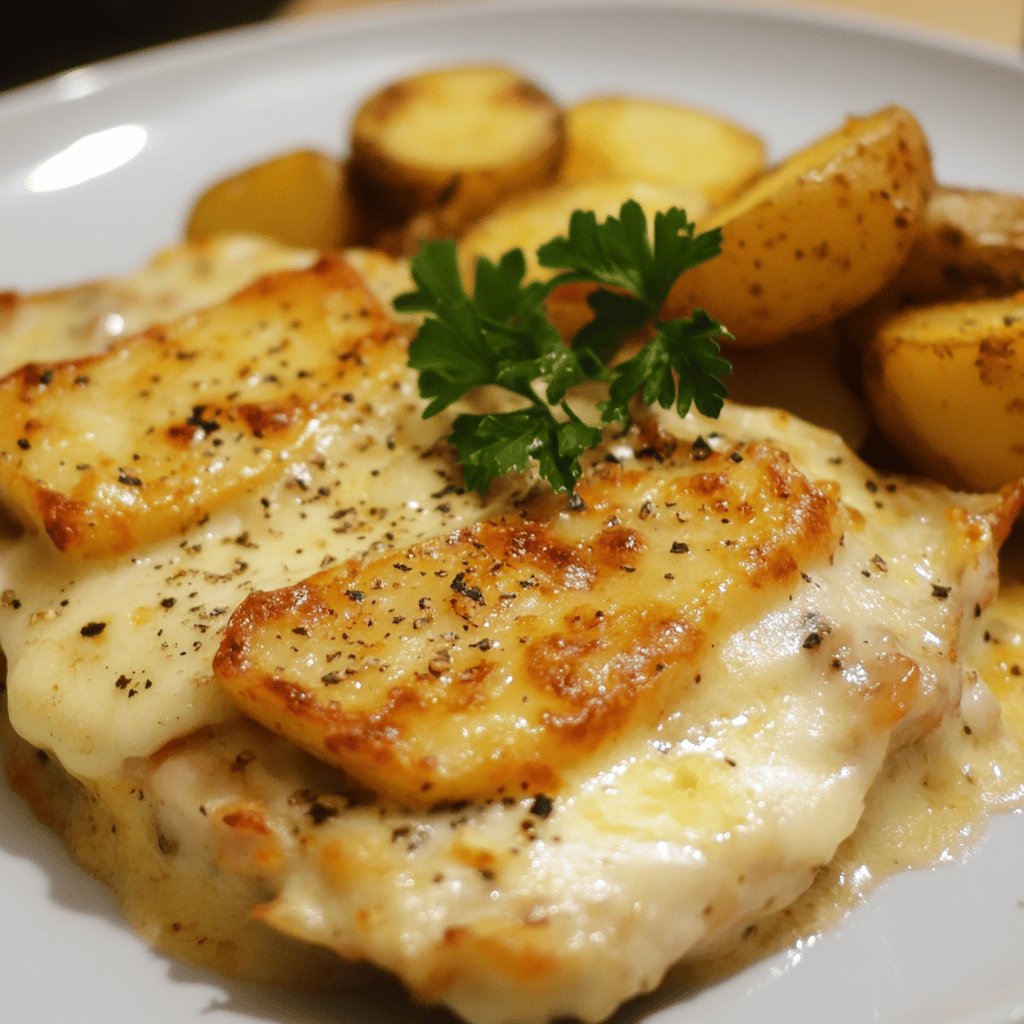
pixel 501 335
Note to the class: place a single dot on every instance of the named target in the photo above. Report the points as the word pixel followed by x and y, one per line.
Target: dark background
pixel 53 37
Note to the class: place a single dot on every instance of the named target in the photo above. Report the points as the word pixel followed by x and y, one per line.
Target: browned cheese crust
pixel 543 636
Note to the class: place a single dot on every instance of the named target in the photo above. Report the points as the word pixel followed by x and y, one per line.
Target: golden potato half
pixel 298 198
pixel 661 141
pixel 946 385
pixel 969 245
pixel 462 138
pixel 528 221
pixel 818 235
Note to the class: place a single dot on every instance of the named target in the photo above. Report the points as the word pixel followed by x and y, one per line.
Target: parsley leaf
pixel 619 253
pixel 680 366
pixel 495 444
pixel 501 335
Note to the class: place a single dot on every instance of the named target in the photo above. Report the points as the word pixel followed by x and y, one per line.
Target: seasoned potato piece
pixel 299 198
pixel 970 246
pixel 459 138
pixel 946 385
pixel 802 376
pixel 528 221
pixel 818 235
pixel 661 141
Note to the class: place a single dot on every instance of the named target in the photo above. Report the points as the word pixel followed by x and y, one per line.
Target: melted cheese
pixel 718 797
pixel 496 658
pixel 107 452
pixel 87 318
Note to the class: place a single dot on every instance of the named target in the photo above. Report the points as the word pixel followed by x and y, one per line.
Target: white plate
pixel 931 947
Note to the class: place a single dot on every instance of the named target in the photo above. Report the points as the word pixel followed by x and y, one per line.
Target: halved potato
pixel 818 235
pixel 946 385
pixel 458 138
pixel 529 220
pixel 659 140
pixel 969 245
pixel 298 198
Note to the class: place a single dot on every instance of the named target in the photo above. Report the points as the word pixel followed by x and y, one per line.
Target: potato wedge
pixel 818 235
pixel 945 384
pixel 660 141
pixel 298 198
pixel 457 138
pixel 970 245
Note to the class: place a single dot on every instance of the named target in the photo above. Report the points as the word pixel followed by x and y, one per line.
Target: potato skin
pixel 456 141
pixel 970 246
pixel 818 235
pixel 945 384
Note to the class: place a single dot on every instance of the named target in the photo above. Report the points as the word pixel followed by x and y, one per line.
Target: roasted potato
pixel 298 198
pixel 945 384
pixel 638 137
pixel 458 139
pixel 970 246
pixel 529 220
pixel 818 235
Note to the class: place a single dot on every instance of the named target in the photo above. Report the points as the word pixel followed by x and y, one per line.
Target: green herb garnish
pixel 501 335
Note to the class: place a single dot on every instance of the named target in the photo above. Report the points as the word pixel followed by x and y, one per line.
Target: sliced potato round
pixel 461 138
pixel 818 235
pixel 298 198
pixel 945 384
pixel 659 140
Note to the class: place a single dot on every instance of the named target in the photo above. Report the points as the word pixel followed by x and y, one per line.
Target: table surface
pixel 993 21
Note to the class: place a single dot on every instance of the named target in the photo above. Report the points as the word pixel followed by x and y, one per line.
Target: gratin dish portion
pixel 751 619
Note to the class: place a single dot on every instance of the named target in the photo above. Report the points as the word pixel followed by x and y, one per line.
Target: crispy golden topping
pixel 108 452
pixel 491 660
